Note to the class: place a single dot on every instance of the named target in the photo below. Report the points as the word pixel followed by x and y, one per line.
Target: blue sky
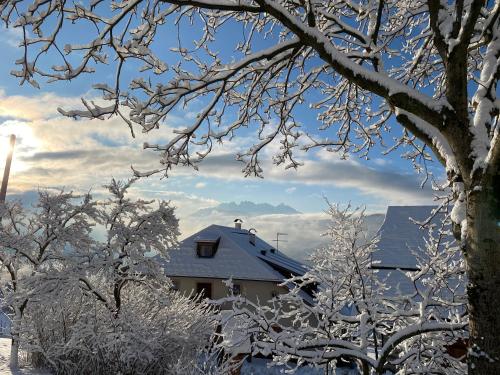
pixel 56 152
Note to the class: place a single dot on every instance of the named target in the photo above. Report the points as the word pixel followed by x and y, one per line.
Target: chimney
pixel 251 235
pixel 237 223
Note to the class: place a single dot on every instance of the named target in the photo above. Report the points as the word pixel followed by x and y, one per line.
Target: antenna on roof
pixel 277 240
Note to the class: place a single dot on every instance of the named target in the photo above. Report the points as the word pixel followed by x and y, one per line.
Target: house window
pixel 236 289
pixel 206 249
pixel 205 289
pixel 175 284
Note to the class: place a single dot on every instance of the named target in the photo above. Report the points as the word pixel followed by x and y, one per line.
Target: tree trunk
pixel 14 352
pixel 482 253
pixel 14 332
pixel 365 368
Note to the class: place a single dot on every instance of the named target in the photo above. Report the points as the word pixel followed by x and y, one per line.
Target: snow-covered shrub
pixel 87 303
pixel 158 331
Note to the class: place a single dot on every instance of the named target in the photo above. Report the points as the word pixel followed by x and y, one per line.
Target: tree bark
pixel 14 352
pixel 14 332
pixel 482 253
pixel 365 368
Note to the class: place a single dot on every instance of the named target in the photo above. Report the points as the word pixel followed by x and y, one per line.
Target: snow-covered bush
pixel 158 331
pixel 359 315
pixel 88 303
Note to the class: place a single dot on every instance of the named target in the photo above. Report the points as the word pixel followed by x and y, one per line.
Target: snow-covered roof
pixel 400 237
pixel 235 257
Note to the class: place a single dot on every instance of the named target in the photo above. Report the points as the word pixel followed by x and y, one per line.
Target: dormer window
pixel 207 248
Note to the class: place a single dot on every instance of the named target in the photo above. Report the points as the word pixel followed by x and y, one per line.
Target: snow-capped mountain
pixel 247 208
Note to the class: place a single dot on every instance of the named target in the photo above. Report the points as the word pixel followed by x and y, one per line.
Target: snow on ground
pixel 256 367
pixel 259 367
pixel 5 359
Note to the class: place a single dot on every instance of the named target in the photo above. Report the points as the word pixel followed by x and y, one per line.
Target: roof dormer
pixel 207 247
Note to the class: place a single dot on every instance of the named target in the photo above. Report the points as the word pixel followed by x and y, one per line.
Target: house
pixel 401 241
pixel 400 237
pixel 217 253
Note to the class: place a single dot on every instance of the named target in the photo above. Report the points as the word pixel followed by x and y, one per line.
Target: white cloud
pixel 381 161
pixel 85 153
pixel 327 171
pixel 53 149
pixel 290 190
pixel 12 36
pixel 38 107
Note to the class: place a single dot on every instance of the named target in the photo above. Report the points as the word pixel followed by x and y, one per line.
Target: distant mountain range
pixel 247 208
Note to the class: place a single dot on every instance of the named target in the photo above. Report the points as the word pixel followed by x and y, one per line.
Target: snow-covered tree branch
pixel 83 303
pixel 358 315
pixel 360 66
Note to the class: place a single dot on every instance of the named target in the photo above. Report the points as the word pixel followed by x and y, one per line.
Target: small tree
pixel 138 238
pixel 30 244
pixel 358 316
pixel 87 304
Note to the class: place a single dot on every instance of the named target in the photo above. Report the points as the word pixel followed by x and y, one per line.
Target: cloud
pixel 52 149
pixel 327 170
pixel 381 161
pixel 13 36
pixel 42 106
pixel 57 155
pixel 393 186
pixel 87 153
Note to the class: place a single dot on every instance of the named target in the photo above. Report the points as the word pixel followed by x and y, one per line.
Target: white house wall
pixel 253 290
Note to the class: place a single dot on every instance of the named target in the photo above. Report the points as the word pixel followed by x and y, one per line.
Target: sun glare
pixel 26 144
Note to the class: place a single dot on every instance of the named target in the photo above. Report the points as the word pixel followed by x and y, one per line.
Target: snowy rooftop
pixel 400 237
pixel 235 257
